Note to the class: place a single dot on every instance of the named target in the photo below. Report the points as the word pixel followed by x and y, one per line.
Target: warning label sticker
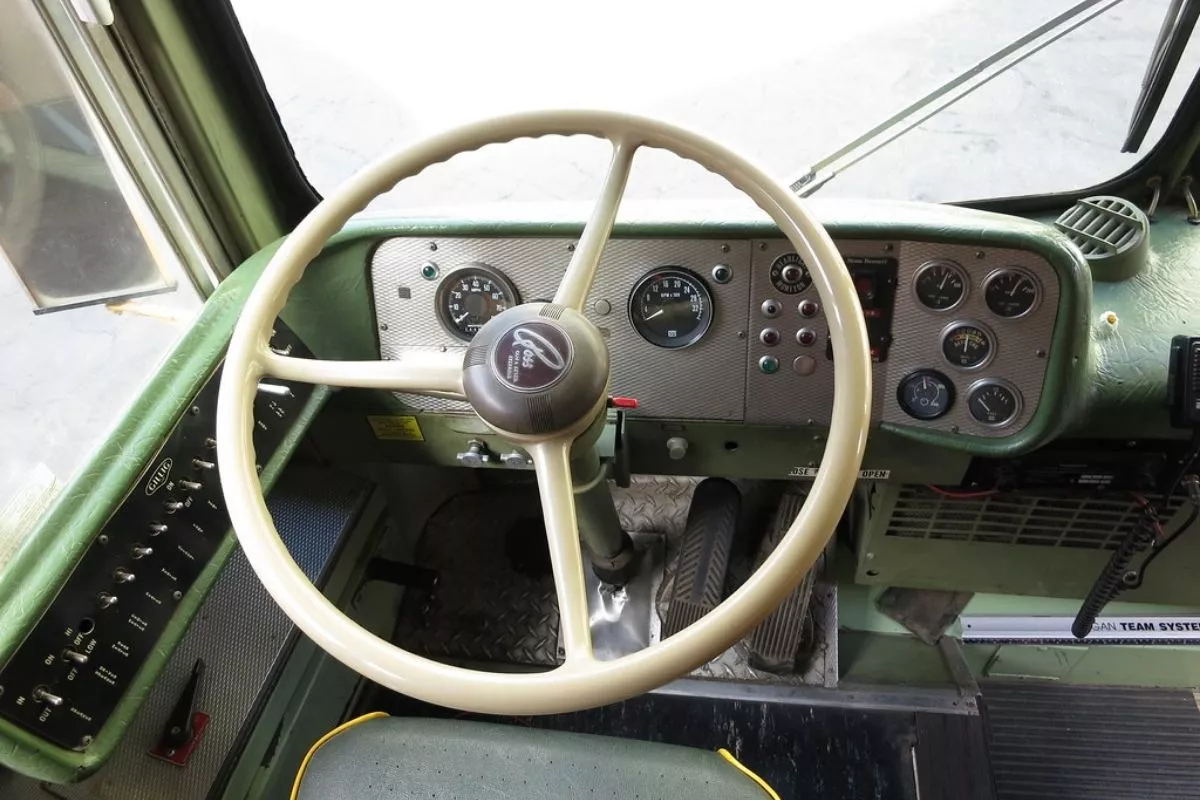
pixel 396 428
pixel 863 474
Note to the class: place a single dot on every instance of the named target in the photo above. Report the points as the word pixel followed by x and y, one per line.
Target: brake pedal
pixel 703 554
pixel 775 642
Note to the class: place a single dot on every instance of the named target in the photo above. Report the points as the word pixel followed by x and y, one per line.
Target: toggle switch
pixel 172 506
pixel 141 551
pixel 71 655
pixel 157 528
pixel 275 389
pixel 106 600
pixel 44 695
pixel 200 463
pixel 123 576
pixel 191 486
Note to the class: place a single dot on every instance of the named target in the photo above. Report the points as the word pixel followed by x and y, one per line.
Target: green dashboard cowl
pixel 330 310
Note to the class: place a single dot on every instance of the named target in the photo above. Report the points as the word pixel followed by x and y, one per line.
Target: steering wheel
pixel 538 374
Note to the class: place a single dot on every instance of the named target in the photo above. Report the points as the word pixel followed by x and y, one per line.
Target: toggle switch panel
pixel 72 670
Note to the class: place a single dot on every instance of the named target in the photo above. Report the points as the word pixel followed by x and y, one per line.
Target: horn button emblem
pixel 532 356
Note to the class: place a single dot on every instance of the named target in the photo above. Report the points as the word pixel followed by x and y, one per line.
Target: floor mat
pixel 495 599
pixel 1098 743
pixel 827 753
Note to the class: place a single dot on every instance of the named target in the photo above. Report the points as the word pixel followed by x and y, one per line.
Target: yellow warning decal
pixel 396 428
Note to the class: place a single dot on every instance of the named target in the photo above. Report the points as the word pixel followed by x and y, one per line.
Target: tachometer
pixel 1011 292
pixel 470 296
pixel 671 307
pixel 967 345
pixel 940 285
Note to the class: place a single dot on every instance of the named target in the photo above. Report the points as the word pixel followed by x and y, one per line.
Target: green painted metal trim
pixel 239 191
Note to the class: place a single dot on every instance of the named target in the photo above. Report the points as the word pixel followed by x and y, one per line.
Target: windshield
pixel 784 83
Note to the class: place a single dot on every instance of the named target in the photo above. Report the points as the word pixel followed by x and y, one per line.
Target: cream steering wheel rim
pixel 581 681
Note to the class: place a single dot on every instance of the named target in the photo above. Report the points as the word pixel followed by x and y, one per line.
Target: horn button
pixel 536 369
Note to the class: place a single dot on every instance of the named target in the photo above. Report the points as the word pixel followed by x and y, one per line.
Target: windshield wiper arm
pixel 1173 37
pixel 949 93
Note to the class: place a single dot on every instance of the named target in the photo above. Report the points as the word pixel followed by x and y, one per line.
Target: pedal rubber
pixel 703 554
pixel 775 642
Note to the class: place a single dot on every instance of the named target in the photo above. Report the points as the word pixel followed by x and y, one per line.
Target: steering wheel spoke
pixel 577 281
pixel 552 462
pixel 419 372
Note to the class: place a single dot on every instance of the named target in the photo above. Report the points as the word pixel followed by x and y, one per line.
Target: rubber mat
pixel 826 753
pixel 495 599
pixel 1099 743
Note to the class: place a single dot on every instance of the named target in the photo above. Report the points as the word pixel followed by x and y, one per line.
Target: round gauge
pixel 967 345
pixel 1011 292
pixel 993 402
pixel 789 275
pixel 925 394
pixel 940 285
pixel 671 307
pixel 470 296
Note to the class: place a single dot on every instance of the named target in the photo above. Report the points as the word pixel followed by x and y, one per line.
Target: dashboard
pixel 732 330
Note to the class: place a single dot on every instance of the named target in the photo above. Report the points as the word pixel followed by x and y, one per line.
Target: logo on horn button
pixel 532 356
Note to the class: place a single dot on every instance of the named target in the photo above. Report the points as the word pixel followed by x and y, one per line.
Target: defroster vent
pixel 1111 232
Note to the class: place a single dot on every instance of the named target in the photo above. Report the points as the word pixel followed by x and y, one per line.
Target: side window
pixel 92 294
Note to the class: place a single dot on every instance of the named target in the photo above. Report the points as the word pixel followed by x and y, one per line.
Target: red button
pixel 623 402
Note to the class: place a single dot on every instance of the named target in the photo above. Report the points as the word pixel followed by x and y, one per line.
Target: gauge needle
pixel 945 278
pixel 458 320
pixel 985 406
pixel 966 344
pixel 1014 289
pixel 656 313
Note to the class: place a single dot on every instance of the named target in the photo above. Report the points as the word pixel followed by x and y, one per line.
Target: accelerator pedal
pixel 703 554
pixel 776 641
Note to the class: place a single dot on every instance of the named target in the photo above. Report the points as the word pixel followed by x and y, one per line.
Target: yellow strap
pixel 728 756
pixel 345 726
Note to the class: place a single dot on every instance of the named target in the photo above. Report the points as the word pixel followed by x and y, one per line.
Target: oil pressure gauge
pixel 940 285
pixel 967 345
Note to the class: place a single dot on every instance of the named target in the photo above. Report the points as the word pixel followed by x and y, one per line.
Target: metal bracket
pixel 925 612
pixel 960 671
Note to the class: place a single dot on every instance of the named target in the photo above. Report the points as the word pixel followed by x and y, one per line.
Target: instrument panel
pixel 733 330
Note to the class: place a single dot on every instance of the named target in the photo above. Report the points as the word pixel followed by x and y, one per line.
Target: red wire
pixel 961 495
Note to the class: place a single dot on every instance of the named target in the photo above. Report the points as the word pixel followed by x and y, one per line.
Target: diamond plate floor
pixel 495 598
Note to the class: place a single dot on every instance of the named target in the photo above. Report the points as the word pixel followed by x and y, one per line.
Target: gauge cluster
pixel 734 330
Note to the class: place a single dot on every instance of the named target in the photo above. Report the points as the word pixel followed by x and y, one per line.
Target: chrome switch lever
pixel 44 695
pixel 71 655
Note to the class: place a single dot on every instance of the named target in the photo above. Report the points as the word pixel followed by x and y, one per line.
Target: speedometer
pixel 470 296
pixel 671 307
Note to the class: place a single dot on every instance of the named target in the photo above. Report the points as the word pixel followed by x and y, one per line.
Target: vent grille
pixel 1028 518
pixel 1111 233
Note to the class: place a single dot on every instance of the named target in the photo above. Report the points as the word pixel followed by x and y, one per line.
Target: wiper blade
pixel 1173 37
pixel 949 93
